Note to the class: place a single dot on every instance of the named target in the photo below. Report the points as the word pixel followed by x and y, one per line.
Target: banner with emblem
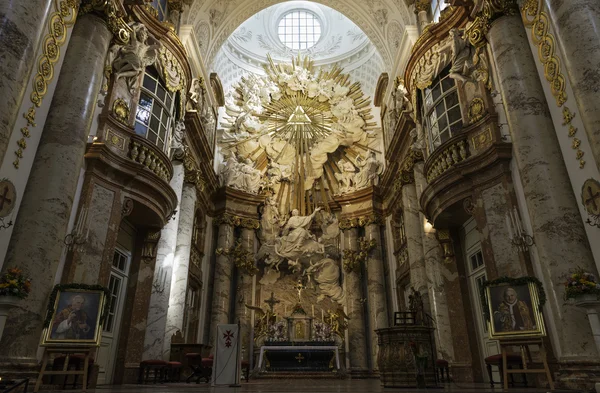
pixel 226 369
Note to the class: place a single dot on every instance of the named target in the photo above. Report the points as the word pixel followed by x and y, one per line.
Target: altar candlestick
pixel 509 226
pixel 322 315
pixel 284 309
pixel 313 310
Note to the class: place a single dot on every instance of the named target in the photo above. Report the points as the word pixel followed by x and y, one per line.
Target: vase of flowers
pixel 14 286
pixel 582 286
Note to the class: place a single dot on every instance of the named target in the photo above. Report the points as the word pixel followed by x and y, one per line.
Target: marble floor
pixel 303 385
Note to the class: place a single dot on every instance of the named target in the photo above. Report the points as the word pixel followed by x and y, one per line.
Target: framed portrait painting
pixel 75 316
pixel 513 308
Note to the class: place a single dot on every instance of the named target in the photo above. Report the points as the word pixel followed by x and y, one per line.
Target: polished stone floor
pixel 303 385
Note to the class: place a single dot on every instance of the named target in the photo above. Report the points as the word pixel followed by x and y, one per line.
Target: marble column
pixel 22 24
pixel 557 227
pixel 161 283
pixel 414 242
pixel 243 293
pixel 492 205
pixel 577 27
pixel 37 241
pixel 222 281
pixel 355 306
pixel 376 297
pixel 440 280
pixel 181 265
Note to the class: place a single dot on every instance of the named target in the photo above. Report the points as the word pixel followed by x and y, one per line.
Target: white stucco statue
pixel 250 178
pixel 326 273
pixel 270 221
pixel 346 177
pixel 369 171
pixel 196 96
pixel 296 240
pixel 462 56
pixel 177 139
pixel 228 170
pixel 132 59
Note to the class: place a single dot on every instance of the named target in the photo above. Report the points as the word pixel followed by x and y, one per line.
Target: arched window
pixel 299 29
pixel 162 8
pixel 440 110
pixel 155 111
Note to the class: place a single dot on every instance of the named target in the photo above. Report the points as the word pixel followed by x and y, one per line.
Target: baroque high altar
pixel 299 143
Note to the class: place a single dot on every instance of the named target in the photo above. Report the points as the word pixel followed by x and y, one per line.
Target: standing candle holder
pixel 516 232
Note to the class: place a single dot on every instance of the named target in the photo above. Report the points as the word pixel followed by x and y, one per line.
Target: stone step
pixel 300 375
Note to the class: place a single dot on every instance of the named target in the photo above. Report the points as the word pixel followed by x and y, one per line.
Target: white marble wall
pixel 577 27
pixel 557 228
pixel 221 282
pixel 376 297
pixel 39 230
pixel 163 271
pixel 181 265
pixel 244 293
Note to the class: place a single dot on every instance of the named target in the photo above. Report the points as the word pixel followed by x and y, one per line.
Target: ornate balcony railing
pixel 149 155
pixel 452 152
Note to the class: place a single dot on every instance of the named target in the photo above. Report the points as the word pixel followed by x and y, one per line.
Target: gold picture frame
pixel 513 310
pixel 75 316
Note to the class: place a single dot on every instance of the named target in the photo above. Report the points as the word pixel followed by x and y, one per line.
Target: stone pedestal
pixel 557 227
pixel 591 304
pixel 181 265
pixel 21 27
pixel 355 307
pixel 377 299
pixel 37 242
pixel 6 303
pixel 576 23
pixel 163 271
pixel 222 281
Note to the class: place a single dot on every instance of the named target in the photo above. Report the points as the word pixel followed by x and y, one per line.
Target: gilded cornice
pixel 236 221
pixel 484 13
pixel 112 12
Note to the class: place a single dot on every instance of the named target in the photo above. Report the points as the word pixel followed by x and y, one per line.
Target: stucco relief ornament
pixel 301 122
pixel 240 174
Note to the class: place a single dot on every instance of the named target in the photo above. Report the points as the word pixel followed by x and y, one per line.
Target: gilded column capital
pixel 371 219
pixel 422 5
pixel 348 223
pixel 406 173
pixel 485 12
pixel 112 12
pixel 237 221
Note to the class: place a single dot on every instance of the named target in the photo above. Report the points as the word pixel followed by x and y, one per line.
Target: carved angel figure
pixel 462 57
pixel 369 172
pixel 346 177
pixel 132 59
pixel 337 320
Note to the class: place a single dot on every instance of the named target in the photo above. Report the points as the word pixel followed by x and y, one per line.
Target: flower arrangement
pixel 322 331
pixel 14 283
pixel 581 283
pixel 277 331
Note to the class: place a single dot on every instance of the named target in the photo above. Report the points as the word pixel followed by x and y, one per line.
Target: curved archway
pixel 215 20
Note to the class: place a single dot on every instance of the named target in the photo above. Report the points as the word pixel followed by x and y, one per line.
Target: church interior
pixel 300 195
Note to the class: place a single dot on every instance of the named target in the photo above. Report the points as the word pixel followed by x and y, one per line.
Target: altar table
pixel 300 350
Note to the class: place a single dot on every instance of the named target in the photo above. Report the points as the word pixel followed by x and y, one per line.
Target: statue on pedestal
pixel 370 169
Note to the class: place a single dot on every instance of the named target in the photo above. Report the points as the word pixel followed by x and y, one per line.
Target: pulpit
pixel 407 354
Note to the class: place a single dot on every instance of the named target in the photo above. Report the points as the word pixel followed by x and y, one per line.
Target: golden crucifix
pixel 300 287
